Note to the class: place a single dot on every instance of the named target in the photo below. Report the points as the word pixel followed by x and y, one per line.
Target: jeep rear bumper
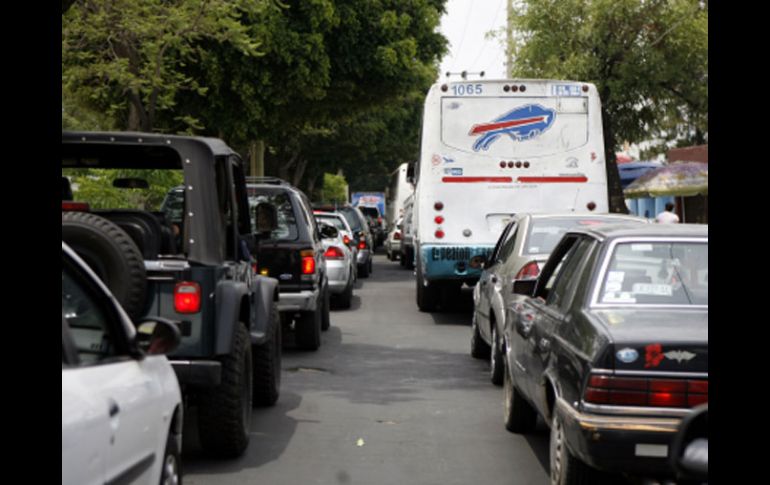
pixel 199 373
pixel 303 301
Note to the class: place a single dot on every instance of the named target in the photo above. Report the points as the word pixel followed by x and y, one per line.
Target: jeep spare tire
pixel 111 254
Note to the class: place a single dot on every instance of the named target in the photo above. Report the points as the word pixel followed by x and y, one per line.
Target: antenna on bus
pixel 464 74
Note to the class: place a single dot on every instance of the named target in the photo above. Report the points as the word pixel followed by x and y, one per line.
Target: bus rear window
pixel 514 127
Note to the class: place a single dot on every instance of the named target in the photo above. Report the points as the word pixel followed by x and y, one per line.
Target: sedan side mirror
pixel 158 335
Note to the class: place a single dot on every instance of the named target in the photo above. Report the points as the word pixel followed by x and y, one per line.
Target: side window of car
pixel 564 279
pixel 88 318
pixel 495 256
pixel 510 243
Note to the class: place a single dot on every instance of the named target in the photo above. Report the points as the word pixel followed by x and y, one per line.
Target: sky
pixel 465 25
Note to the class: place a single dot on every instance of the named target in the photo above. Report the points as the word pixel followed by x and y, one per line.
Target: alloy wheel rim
pixel 557 446
pixel 170 475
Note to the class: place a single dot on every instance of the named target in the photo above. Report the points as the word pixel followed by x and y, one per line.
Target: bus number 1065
pixel 467 89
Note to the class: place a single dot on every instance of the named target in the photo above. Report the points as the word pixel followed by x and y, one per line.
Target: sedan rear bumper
pixel 635 445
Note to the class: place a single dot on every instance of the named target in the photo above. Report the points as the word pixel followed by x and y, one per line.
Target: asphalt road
pixel 391 397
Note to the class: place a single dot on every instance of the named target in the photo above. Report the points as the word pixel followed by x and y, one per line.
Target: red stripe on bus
pixel 552 180
pixel 477 179
pixel 483 128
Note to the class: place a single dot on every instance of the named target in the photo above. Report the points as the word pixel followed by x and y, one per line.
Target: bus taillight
pixel 438 206
pixel 591 206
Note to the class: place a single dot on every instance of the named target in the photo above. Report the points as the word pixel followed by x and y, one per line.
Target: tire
pixel 427 296
pixel 326 321
pixel 363 270
pixel 409 263
pixel 308 330
pixel 171 469
pixel 224 412
pixel 111 254
pixel 496 358
pixel 267 364
pixel 520 416
pixel 346 298
pixel 479 348
pixel 402 259
pixel 565 468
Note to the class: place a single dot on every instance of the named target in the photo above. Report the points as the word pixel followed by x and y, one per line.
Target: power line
pixel 465 28
pixel 486 41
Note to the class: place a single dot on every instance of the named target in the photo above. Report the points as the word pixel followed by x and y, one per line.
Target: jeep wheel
pixel 308 330
pixel 267 364
pixel 111 254
pixel 224 412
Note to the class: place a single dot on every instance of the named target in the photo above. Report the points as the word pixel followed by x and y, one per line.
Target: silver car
pixel 340 264
pixel 520 253
pixel 393 242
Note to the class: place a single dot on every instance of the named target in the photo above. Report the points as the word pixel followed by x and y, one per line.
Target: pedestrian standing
pixel 667 216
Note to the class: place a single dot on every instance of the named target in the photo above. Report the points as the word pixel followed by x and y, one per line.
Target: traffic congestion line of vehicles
pixel 185 303
pixel 597 322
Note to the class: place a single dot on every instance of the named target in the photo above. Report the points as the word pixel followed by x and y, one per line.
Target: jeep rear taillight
pixel 187 297
pixel 70 206
pixel 308 261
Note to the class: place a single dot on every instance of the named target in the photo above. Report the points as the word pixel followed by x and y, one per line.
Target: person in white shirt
pixel 667 216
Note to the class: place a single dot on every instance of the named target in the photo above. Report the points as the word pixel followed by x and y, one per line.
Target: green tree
pixel 335 188
pixel 126 57
pixel 648 59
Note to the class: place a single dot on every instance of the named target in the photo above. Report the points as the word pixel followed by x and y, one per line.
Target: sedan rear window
pixel 657 273
pixel 544 234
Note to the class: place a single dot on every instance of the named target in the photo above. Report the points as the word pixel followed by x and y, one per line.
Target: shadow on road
pixel 271 431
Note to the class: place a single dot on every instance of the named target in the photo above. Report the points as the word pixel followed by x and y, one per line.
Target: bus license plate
pixel 451 254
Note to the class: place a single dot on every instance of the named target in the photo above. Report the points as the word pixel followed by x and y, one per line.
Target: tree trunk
pixel 617 203
pixel 257 158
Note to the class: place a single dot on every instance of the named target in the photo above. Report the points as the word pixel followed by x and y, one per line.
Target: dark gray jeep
pixel 189 261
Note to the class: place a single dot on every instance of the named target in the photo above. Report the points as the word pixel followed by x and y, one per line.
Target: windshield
pixel 545 233
pixel 352 218
pixel 658 273
pixel 287 223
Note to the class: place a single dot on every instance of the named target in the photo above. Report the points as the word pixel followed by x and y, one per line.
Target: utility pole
pixel 257 151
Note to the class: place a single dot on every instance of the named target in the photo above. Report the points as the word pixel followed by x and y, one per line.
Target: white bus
pixel 491 149
pixel 398 191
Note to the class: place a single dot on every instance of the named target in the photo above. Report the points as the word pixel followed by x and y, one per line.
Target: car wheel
pixel 565 468
pixel 224 411
pixel 496 358
pixel 371 266
pixel 345 299
pixel 308 330
pixel 479 348
pixel 520 416
pixel 325 314
pixel 267 364
pixel 171 470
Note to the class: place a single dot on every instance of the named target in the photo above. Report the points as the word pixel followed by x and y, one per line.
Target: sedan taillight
pixel 334 253
pixel 633 391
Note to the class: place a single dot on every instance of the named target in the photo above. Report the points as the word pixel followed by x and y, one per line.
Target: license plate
pixel 451 254
pixel 652 451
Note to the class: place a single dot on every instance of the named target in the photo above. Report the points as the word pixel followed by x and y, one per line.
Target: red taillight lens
pixel 530 270
pixel 75 206
pixel 308 261
pixel 439 220
pixel 346 240
pixel 379 220
pixel 621 391
pixel 362 244
pixel 334 253
pixel 397 235
pixel 187 297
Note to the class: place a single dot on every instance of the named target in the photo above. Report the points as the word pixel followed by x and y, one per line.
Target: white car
pixel 393 242
pixel 340 264
pixel 121 403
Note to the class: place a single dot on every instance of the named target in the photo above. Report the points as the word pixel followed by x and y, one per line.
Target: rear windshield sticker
pixel 650 289
pixel 613 286
pixel 615 297
pixel 641 247
pixel 616 276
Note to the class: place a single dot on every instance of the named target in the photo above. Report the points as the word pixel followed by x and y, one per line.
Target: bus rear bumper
pixel 453 262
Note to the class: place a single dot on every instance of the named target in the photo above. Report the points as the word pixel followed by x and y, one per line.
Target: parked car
pixel 407 234
pixel 346 233
pixel 291 249
pixel 189 262
pixel 393 243
pixel 340 264
pixel 520 252
pixel 121 403
pixel 376 223
pixel 361 234
pixel 610 346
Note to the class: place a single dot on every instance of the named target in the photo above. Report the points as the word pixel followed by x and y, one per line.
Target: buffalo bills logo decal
pixel 521 124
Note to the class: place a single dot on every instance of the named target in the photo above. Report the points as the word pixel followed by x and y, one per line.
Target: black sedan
pixel 610 346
